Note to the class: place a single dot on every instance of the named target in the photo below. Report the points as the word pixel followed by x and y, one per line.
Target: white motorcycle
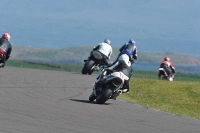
pixel 108 86
pixel 94 63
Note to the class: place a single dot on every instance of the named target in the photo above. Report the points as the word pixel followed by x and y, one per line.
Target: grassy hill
pixel 76 55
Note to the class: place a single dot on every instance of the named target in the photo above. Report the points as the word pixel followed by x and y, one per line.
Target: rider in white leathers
pixel 105 49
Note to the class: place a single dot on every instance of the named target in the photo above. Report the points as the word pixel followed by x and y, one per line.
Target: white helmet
pixel 107 41
pixel 125 58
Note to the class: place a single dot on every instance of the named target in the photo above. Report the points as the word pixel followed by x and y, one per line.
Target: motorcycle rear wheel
pixel 163 77
pixel 87 67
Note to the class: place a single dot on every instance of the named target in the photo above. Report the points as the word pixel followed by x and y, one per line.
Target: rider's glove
pixel 109 64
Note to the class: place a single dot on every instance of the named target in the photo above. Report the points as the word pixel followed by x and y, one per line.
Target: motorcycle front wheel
pixel 101 99
pixel 92 97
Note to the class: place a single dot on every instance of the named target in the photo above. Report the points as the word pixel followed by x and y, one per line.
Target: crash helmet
pixel 6 36
pixel 107 41
pixel 166 59
pixel 131 41
pixel 124 58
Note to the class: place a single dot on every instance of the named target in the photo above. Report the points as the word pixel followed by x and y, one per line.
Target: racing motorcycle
pixel 164 76
pixel 93 63
pixel 108 87
pixel 2 57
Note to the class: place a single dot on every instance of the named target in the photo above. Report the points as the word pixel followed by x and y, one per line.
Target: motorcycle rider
pixel 105 50
pixel 124 65
pixel 168 67
pixel 130 49
pixel 128 53
pixel 5 49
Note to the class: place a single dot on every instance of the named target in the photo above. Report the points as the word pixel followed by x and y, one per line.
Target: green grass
pixel 181 96
pixel 154 75
pixel 69 68
pixel 178 97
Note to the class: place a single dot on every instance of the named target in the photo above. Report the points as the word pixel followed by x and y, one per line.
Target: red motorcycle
pixel 162 75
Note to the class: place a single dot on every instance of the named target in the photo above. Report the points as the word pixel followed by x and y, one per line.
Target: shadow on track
pixel 87 101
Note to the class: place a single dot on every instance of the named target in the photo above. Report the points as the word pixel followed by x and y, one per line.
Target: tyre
pixel 87 67
pixel 104 96
pixel 163 77
pixel 92 97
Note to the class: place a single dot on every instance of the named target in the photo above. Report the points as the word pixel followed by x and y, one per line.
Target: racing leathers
pixel 130 50
pixel 168 67
pixel 105 50
pixel 5 51
pixel 124 65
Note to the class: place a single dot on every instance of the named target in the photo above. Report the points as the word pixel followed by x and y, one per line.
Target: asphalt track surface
pixel 43 101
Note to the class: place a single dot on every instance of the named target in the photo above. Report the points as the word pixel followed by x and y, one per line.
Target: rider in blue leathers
pixel 130 49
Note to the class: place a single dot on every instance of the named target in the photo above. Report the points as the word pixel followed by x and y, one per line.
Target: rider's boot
pixel 125 88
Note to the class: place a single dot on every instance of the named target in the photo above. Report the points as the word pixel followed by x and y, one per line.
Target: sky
pixel 155 25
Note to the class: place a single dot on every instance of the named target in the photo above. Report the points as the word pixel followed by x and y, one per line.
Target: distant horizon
pixel 156 26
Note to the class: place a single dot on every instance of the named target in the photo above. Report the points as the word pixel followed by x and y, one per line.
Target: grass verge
pixel 178 97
